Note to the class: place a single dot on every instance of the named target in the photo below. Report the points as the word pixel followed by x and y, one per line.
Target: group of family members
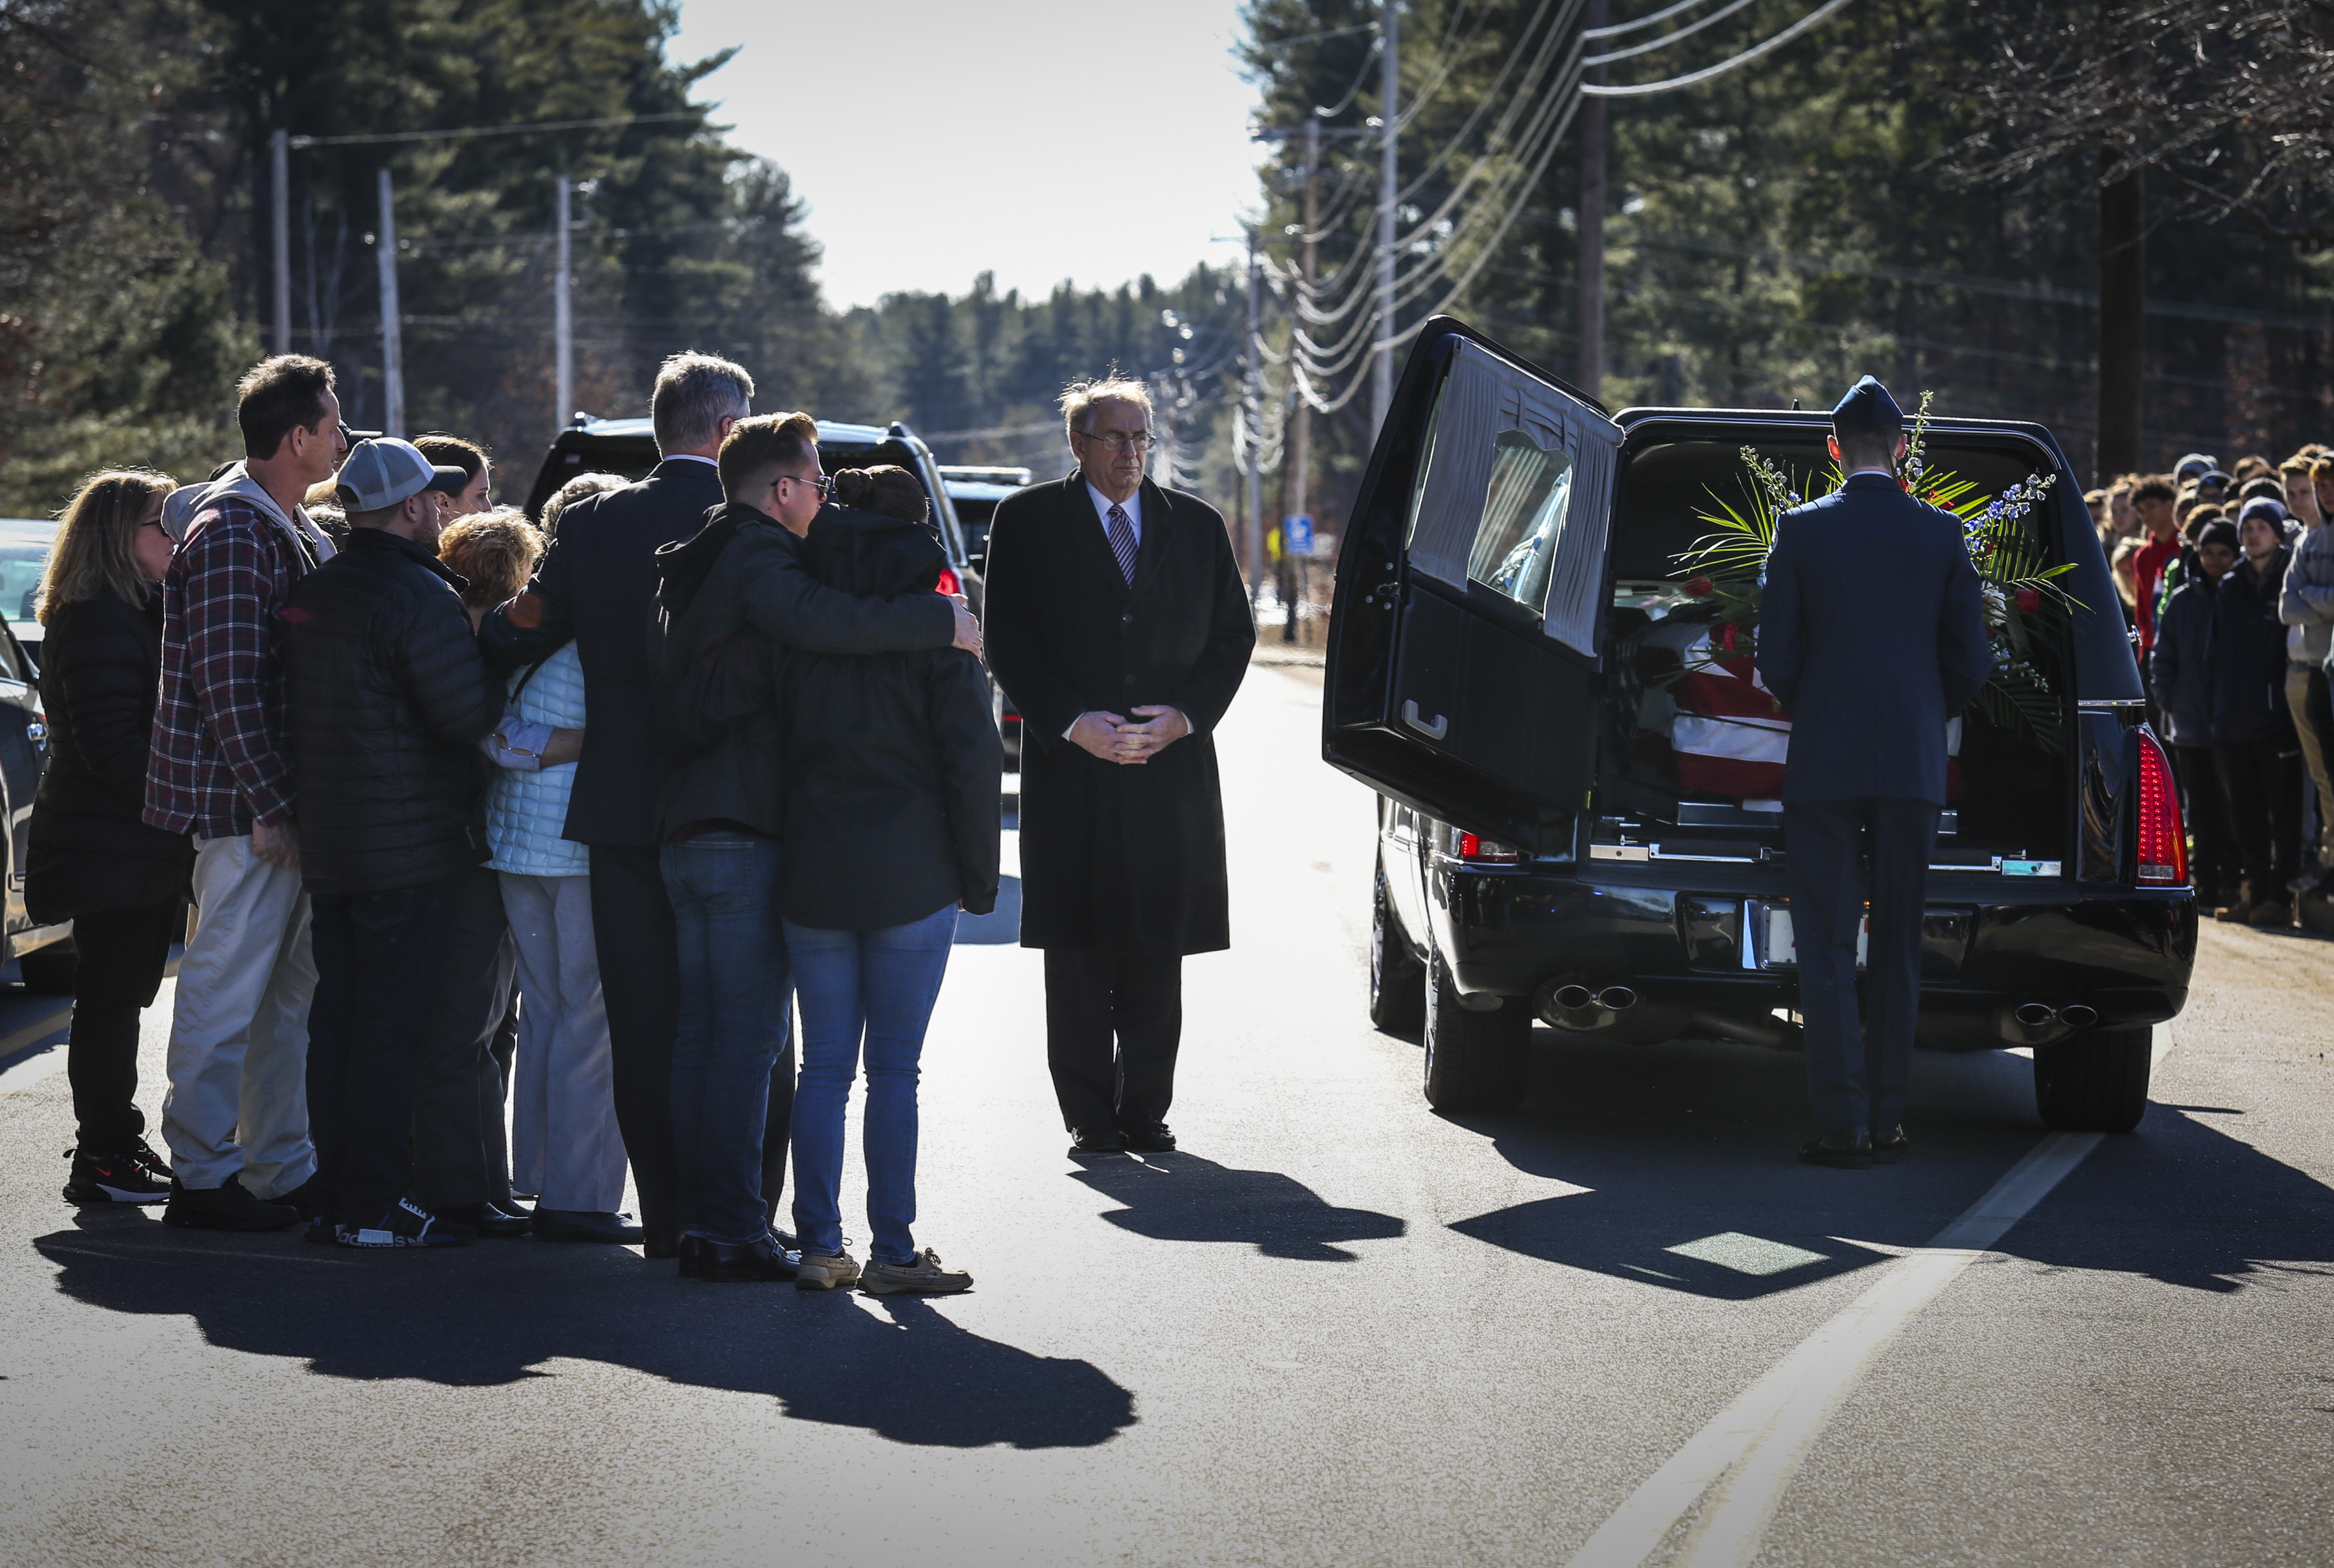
pixel 741 748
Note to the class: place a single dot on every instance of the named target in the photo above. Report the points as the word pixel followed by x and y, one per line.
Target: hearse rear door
pixel 1464 678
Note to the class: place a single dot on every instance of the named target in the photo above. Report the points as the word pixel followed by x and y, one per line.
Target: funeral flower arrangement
pixel 2022 594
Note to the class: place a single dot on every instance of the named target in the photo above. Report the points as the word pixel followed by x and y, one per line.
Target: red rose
pixel 1905 483
pixel 2029 601
pixel 1701 588
pixel 1726 636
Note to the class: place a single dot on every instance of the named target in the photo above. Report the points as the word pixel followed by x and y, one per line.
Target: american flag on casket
pixel 1727 734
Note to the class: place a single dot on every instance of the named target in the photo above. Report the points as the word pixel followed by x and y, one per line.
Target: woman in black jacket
pixel 890 827
pixel 90 857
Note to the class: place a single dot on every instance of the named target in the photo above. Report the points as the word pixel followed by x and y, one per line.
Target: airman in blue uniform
pixel 1872 631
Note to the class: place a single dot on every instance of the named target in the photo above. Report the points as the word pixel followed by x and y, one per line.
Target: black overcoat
pixel 1116 857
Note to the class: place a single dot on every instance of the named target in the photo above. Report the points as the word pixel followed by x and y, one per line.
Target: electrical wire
pixel 1658 18
pixel 1670 84
pixel 1666 39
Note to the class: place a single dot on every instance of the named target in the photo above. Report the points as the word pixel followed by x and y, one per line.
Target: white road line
pixel 1753 1449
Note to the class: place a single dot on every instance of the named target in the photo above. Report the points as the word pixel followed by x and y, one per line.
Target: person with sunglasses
pixel 90 856
pixel 729 599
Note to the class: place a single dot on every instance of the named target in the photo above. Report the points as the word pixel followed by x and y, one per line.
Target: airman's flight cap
pixel 1868 405
pixel 383 471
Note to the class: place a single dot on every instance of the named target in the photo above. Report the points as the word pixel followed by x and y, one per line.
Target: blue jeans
pixel 880 985
pixel 732 1026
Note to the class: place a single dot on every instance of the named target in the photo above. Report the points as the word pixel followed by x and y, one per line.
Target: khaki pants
pixel 2313 749
pixel 238 1061
pixel 566 1147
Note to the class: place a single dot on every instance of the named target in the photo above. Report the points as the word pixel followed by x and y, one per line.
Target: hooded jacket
pixel 893 761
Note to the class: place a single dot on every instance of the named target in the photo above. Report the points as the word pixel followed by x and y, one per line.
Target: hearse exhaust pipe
pixel 2040 1023
pixel 1616 998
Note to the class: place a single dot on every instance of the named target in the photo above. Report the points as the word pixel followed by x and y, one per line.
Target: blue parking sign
pixel 1297 536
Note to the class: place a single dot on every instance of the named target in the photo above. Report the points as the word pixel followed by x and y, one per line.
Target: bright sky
pixel 927 135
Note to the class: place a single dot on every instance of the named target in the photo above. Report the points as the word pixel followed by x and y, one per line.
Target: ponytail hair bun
pixel 885 488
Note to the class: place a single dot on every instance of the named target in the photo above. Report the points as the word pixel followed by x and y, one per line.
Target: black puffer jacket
pixel 388 697
pixel 89 847
pixel 893 761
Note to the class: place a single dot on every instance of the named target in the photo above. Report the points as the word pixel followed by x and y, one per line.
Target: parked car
pixel 24 545
pixel 44 954
pixel 974 490
pixel 1539 858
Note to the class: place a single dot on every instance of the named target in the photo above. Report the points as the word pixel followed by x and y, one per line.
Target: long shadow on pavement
pixel 1687 1151
pixel 497 1312
pixel 1183 1198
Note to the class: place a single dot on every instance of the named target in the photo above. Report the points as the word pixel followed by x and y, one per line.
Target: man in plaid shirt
pixel 235 1116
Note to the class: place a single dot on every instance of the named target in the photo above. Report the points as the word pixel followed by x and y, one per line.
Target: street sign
pixel 1298 535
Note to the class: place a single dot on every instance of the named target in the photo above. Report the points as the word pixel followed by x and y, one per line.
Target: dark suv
pixel 628 446
pixel 1494 674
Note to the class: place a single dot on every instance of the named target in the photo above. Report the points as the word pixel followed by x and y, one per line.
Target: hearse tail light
pixel 1487 851
pixel 949 582
pixel 2163 843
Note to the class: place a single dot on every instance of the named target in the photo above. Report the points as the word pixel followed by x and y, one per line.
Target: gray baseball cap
pixel 383 471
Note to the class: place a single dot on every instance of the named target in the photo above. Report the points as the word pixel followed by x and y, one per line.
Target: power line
pixel 1670 84
pixel 1666 39
pixel 389 136
pixel 1656 20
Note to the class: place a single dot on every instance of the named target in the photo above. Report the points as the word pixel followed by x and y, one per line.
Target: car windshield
pixel 23 557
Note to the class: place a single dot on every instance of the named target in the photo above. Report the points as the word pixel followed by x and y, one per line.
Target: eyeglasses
pixel 1123 440
pixel 823 484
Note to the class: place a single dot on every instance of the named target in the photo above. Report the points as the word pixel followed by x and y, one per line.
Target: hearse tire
pixel 49 971
pixel 1397 980
pixel 2095 1082
pixel 1475 1062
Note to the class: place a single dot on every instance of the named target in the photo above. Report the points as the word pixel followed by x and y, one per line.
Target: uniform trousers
pixel 1858 1068
pixel 1113 1022
pixel 237 1063
pixel 565 1146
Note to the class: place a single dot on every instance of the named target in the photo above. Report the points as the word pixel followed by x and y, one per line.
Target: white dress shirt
pixel 1132 506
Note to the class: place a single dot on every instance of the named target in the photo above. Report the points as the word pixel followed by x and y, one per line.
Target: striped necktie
pixel 1122 540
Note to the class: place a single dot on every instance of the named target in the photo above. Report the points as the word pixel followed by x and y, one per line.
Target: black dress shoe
pixel 1154 1139
pixel 661 1243
pixel 692 1257
pixel 733 1262
pixel 489 1219
pixel 584 1225
pixel 1096 1141
pixel 1891 1146
pixel 1850 1148
pixel 308 1197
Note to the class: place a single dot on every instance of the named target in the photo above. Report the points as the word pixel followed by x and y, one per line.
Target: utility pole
pixel 1297 448
pixel 562 324
pixel 392 346
pixel 1589 371
pixel 1251 412
pixel 279 162
pixel 2123 270
pixel 1389 92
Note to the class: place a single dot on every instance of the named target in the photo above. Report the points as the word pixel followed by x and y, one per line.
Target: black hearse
pixel 1511 554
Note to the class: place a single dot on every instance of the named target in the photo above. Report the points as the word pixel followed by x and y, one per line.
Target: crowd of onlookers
pixel 2227 578
pixel 337 698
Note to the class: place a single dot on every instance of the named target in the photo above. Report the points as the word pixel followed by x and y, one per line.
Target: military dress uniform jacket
pixel 1872 631
pixel 1129 859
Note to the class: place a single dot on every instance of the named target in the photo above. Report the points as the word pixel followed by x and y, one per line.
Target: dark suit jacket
pixel 597 586
pixel 1872 631
pixel 1115 857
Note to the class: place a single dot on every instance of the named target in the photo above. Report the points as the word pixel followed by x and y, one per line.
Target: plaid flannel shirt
pixel 218 761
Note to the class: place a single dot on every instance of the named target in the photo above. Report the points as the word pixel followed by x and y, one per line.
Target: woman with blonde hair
pixel 91 856
pixel 565 1148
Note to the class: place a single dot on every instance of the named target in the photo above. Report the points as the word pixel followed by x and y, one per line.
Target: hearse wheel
pixel 1397 980
pixel 1474 1061
pixel 2094 1082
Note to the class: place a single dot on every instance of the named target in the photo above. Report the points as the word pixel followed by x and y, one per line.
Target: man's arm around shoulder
pixel 540 621
pixel 783 601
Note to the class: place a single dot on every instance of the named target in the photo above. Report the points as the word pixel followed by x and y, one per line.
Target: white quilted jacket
pixel 526 811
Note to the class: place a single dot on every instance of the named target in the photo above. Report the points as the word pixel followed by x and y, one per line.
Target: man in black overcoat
pixel 1872 631
pixel 1119 629
pixel 597 586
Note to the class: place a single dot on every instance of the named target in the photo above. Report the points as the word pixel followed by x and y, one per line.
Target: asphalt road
pixel 1337 1330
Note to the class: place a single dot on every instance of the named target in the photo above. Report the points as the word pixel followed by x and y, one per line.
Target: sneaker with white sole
pixel 406 1224
pixel 826 1271
pixel 925 1276
pixel 118 1178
